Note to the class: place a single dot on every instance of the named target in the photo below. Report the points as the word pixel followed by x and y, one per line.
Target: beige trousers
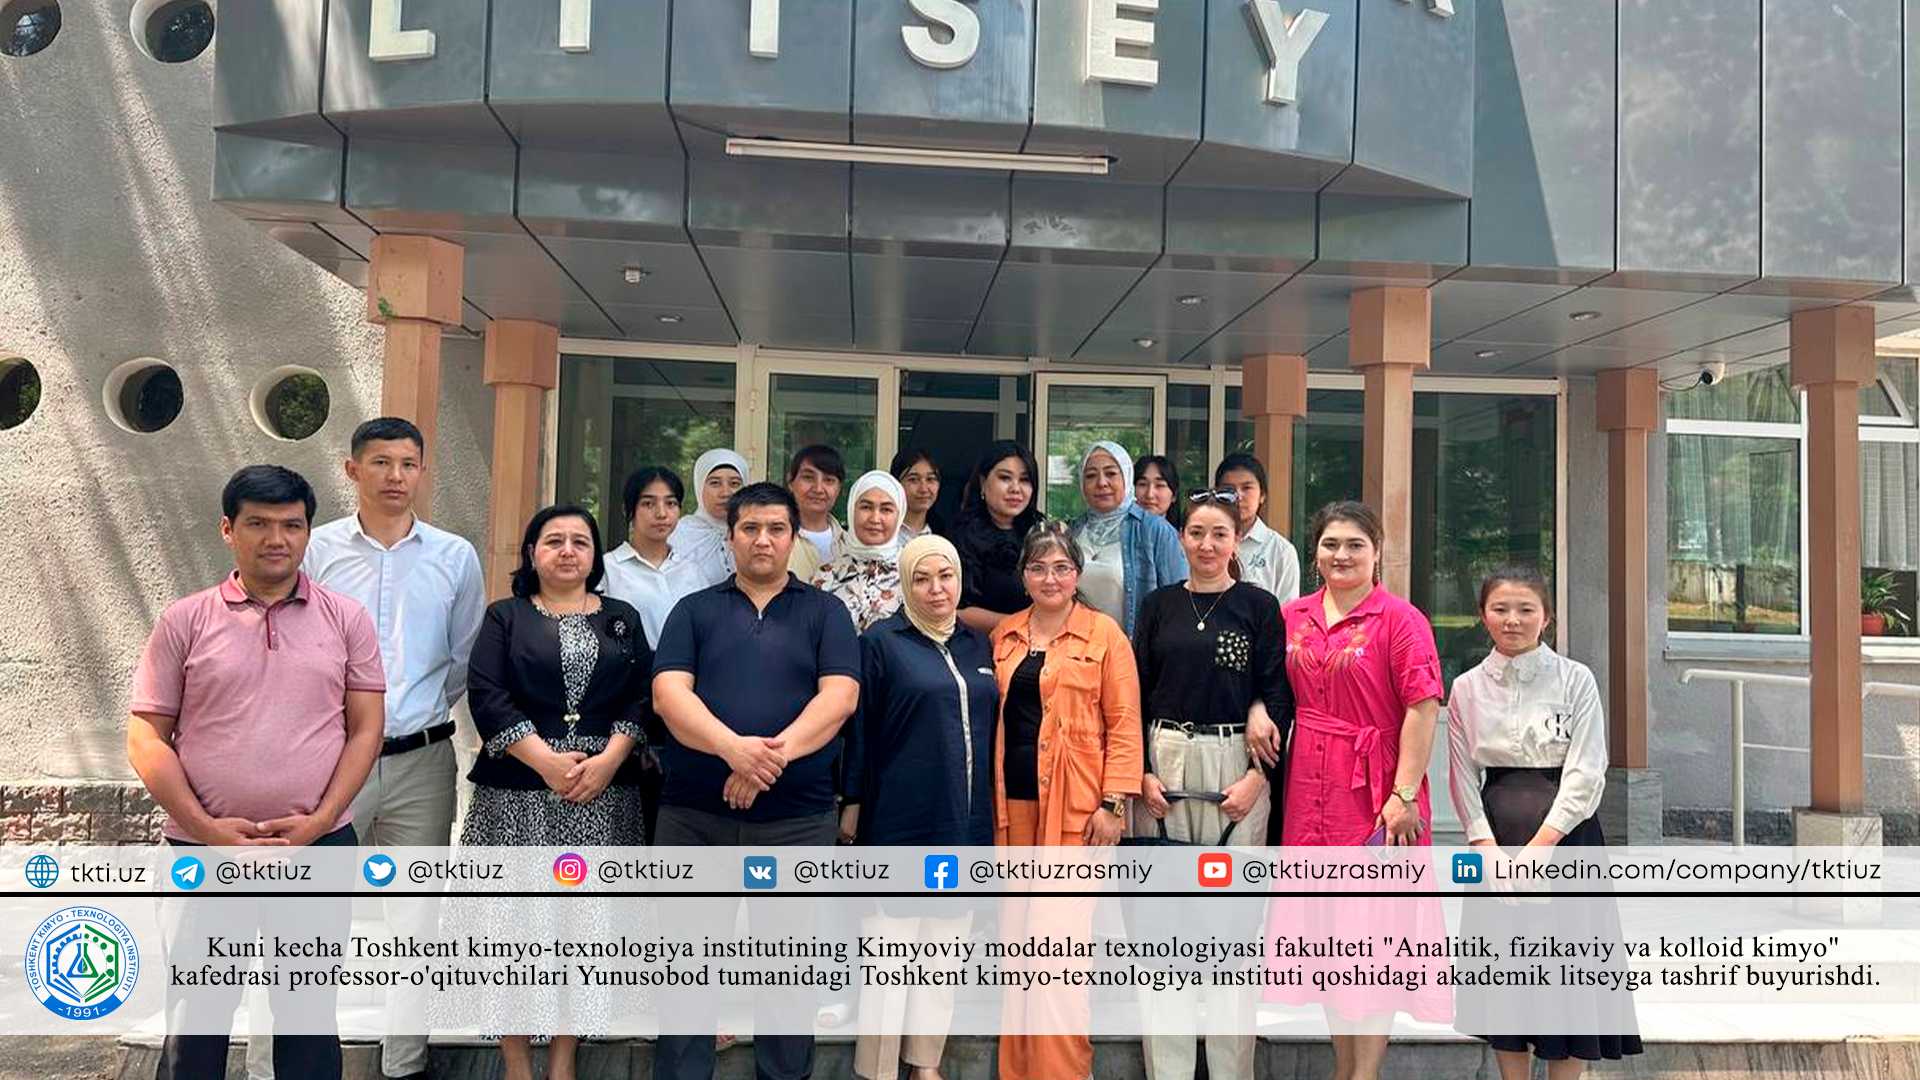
pixel 1201 762
pixel 905 1023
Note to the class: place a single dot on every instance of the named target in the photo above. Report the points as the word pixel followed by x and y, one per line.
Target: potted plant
pixel 1878 613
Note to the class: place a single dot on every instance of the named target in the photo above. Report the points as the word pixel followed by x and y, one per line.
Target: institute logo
pixel 82 963
pixel 570 869
pixel 43 871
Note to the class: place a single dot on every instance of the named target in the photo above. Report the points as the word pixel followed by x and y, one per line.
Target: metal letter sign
pixel 576 25
pixel 386 41
pixel 1440 8
pixel 959 20
pixel 1284 41
pixel 1107 30
pixel 763 29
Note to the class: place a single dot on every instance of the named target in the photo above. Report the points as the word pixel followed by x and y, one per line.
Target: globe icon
pixel 42 871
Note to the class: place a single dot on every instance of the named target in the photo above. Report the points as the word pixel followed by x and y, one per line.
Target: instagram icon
pixel 570 869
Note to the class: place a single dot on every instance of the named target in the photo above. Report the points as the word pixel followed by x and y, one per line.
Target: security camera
pixel 1712 372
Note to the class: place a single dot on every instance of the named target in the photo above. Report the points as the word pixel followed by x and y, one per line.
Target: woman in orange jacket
pixel 1067 760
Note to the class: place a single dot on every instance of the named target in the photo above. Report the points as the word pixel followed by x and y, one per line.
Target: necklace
pixel 1033 632
pixel 1200 621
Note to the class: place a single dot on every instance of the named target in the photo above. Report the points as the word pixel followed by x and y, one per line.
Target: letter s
pixel 957 18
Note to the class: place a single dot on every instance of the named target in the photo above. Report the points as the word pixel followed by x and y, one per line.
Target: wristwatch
pixel 1115 805
pixel 1408 794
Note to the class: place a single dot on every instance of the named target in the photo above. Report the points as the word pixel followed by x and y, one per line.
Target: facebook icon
pixel 942 872
pixel 760 871
pixel 1466 868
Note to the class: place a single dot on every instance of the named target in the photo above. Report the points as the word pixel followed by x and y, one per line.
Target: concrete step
pixel 972 1058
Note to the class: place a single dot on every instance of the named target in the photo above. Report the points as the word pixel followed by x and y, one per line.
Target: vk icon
pixel 378 870
pixel 942 872
pixel 188 872
pixel 1467 869
pixel 760 871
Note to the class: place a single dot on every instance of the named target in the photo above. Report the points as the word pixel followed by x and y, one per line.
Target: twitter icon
pixel 378 870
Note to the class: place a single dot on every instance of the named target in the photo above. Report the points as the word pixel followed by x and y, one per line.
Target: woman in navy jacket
pixel 919 772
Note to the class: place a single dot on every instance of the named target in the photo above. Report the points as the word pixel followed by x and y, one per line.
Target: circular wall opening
pixel 290 403
pixel 28 26
pixel 172 31
pixel 19 391
pixel 143 395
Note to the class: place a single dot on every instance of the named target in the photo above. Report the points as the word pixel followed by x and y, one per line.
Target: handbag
pixel 1161 823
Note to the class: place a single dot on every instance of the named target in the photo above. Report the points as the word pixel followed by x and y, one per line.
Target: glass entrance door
pixel 1076 411
pixel 850 407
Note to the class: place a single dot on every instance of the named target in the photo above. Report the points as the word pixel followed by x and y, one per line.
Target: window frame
pixel 1871 429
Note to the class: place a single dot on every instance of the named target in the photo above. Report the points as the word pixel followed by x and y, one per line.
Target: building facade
pixel 1470 260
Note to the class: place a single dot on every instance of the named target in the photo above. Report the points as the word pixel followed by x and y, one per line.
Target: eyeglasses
pixel 1060 570
pixel 1204 495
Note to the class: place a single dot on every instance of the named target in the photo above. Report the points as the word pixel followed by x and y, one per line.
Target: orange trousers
pixel 1044 1057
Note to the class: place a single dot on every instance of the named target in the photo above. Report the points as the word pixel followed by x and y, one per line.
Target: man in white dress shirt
pixel 1267 559
pixel 425 591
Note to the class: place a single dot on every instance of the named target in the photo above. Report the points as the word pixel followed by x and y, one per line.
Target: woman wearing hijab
pixel 866 577
pixel 1129 551
pixel 919 774
pixel 701 536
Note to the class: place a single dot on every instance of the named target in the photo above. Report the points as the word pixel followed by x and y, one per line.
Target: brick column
pixel 522 364
pixel 1832 351
pixel 1390 336
pixel 1628 410
pixel 413 288
pixel 1273 394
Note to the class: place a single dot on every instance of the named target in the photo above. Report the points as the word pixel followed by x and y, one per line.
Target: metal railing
pixel 1737 688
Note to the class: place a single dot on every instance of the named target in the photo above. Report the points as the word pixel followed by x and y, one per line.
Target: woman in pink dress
pixel 1366 681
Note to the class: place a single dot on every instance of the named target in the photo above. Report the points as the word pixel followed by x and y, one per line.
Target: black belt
pixel 419 740
pixel 1191 729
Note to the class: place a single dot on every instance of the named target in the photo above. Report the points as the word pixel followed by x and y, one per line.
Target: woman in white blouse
pixel 1529 748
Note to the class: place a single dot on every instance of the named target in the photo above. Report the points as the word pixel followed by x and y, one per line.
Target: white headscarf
pixel 882 481
pixel 1102 528
pixel 699 529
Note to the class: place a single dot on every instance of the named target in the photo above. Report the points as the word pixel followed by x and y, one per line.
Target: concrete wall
pixel 109 250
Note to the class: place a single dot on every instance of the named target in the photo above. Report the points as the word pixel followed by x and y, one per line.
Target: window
pixel 1733 535
pixel 28 26
pixel 1188 431
pixel 1485 491
pixel 953 416
pixel 1735 514
pixel 143 395
pixel 1239 429
pixel 172 31
pixel 831 410
pixel 618 414
pixel 1890 492
pixel 19 392
pixel 291 403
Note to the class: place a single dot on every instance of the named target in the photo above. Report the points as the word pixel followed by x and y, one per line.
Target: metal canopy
pixel 1583 185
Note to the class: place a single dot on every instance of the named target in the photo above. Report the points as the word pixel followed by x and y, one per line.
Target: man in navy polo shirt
pixel 753 677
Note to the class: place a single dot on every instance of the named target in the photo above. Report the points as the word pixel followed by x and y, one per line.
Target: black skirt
pixel 1517 802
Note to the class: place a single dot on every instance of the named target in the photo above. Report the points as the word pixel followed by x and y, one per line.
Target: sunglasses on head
pixel 1206 495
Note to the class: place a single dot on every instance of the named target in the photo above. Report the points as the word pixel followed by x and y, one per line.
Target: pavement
pixel 58 1057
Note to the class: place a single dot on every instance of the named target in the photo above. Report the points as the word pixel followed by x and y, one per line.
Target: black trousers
pixel 239 920
pixel 775 1056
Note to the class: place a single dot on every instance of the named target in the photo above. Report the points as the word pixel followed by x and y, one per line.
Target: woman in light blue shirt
pixel 1129 551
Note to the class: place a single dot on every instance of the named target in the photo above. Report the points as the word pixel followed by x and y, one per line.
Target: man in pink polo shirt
pixel 257 714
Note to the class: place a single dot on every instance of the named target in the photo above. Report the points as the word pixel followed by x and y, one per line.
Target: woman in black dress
pixel 996 514
pixel 559 688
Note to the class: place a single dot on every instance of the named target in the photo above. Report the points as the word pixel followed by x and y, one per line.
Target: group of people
pixel 1146 668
